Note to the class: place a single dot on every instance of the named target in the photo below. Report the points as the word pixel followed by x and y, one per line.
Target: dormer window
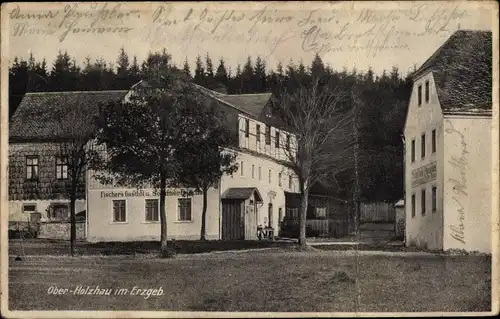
pixel 268 111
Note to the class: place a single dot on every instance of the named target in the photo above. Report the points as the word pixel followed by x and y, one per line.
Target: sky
pixel 345 34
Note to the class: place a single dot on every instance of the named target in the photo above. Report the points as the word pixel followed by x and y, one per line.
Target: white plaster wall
pixel 245 179
pixel 16 208
pixel 102 228
pixel 424 231
pixel 467 183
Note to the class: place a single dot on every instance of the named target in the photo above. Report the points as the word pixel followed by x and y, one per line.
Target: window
pixel 184 209
pixel 434 199
pixel 422 146
pixel 32 167
pixel 253 171
pixel 58 211
pixel 268 135
pixel 29 208
pixel 277 139
pixel 419 95
pixel 413 205
pixel 241 168
pixel 288 142
pixel 152 211
pixel 269 176
pixel 433 141
pixel 260 173
pixel 413 151
pixel 422 202
pixel 426 91
pixel 61 167
pixel 279 179
pixel 320 212
pixel 290 181
pixel 119 211
pixel 247 127
pixel 257 133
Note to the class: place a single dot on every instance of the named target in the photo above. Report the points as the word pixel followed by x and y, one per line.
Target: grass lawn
pixel 317 281
pixel 61 247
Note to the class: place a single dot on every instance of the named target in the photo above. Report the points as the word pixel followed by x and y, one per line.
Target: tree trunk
pixel 73 224
pixel 163 214
pixel 303 217
pixel 203 235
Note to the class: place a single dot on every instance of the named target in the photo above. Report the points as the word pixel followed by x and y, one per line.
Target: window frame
pixel 247 127
pixel 423 143
pixel 29 167
pixel 29 205
pixel 124 201
pixel 277 140
pixel 419 95
pixel 434 198
pixel 260 173
pixel 268 134
pixel 280 176
pixel 241 169
pixel 290 182
pixel 182 199
pixel 413 150
pixel 427 92
pixel 147 212
pixel 60 167
pixel 413 205
pixel 434 141
pixel 423 202
pixel 270 176
pixel 288 142
pixel 257 132
pixel 253 171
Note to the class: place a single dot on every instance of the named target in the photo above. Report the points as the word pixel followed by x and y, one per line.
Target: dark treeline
pixel 382 99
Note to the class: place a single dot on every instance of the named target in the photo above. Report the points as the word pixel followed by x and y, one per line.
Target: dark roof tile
pixel 39 116
pixel 462 69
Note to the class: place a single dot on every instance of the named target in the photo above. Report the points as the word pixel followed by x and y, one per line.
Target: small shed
pixel 239 213
pixel 400 218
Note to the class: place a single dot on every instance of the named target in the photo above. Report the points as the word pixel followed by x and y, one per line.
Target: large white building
pixel 252 196
pixel 448 184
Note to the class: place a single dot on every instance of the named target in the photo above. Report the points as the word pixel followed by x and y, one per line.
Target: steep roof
pixel 39 116
pixel 242 193
pixel 462 69
pixel 253 105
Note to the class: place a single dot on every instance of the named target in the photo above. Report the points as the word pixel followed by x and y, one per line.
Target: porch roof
pixel 242 193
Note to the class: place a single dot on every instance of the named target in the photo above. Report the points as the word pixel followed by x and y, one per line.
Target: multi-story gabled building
pixel 38 178
pixel 448 147
pixel 252 196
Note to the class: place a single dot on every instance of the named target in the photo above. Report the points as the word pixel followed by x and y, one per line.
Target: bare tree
pixel 320 119
pixel 73 130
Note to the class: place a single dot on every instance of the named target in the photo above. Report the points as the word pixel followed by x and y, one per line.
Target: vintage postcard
pixel 249 159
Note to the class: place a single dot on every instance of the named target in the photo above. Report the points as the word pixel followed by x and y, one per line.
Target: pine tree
pixel 186 69
pixel 134 71
pixel 259 76
pixel 60 76
pixel 221 75
pixel 317 67
pixel 247 77
pixel 209 72
pixel 199 72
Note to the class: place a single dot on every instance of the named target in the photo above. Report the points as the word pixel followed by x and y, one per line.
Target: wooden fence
pixel 377 212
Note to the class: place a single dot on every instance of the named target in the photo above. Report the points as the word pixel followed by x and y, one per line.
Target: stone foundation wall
pixel 61 230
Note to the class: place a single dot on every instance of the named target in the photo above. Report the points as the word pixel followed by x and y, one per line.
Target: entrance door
pixel 233 227
pixel 270 215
